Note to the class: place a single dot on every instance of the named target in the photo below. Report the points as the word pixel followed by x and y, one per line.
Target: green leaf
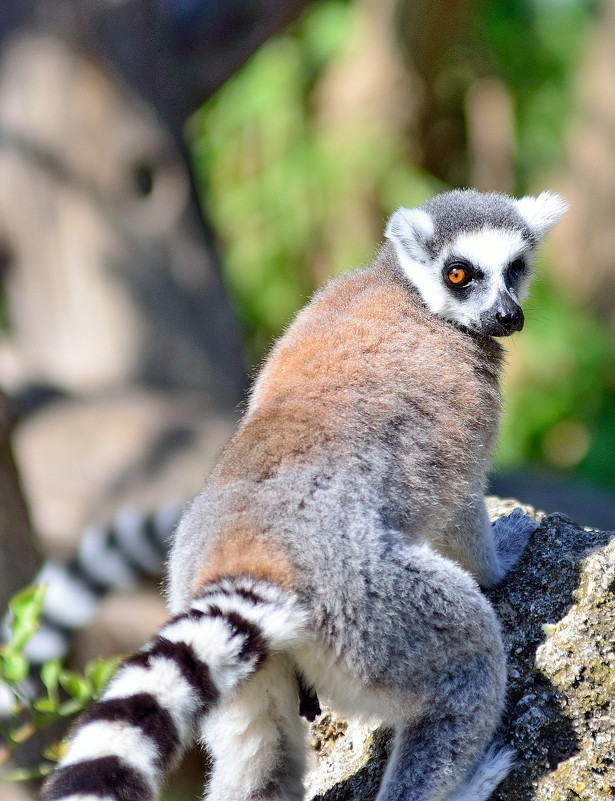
pixel 72 707
pixel 13 667
pixel 75 685
pixel 26 608
pixel 99 671
pixel 50 676
pixel 46 705
pixel 28 601
pixel 55 751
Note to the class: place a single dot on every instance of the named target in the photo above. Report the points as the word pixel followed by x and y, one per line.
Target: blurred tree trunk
pixel 368 97
pixel 403 71
pixel 109 273
pixel 434 36
pixel 490 134
pixel 465 132
pixel 110 269
pixel 584 241
pixel 172 54
pixel 411 77
pixel 18 557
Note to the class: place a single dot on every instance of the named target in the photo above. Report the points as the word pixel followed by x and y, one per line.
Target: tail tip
pixel 494 766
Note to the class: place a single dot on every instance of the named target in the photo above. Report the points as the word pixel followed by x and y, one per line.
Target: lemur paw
pixel 511 534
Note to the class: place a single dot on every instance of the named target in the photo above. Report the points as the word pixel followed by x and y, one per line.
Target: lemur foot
pixel 511 533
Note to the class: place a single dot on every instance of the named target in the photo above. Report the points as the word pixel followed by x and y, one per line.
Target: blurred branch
pixel 18 557
pixel 173 54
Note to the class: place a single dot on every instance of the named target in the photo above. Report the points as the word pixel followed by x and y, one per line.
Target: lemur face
pixel 479 280
pixel 470 255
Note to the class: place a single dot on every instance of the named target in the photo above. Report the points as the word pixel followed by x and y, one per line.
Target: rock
pixel 558 613
pixel 350 759
pixel 557 610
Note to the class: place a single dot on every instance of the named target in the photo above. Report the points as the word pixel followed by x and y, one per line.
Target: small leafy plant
pixel 56 695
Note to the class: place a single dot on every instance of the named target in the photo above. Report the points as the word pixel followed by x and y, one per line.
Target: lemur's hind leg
pixel 257 740
pixel 427 644
pixel 442 756
pixel 442 746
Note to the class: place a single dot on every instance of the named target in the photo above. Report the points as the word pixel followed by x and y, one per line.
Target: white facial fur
pixel 489 251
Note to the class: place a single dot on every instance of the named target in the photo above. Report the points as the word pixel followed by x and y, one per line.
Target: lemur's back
pixel 370 415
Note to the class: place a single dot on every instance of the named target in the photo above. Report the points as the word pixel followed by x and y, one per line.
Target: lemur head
pixel 470 254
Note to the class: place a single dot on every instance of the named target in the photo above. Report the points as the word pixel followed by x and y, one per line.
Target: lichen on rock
pixel 579 661
pixel 560 713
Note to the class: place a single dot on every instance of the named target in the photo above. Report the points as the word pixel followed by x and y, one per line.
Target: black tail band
pixel 195 672
pixel 106 777
pixel 144 711
pixel 255 645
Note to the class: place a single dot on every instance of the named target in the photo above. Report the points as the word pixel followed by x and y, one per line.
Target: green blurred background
pixel 328 128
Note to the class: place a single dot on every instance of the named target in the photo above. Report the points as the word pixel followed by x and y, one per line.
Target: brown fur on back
pixel 245 551
pixel 364 362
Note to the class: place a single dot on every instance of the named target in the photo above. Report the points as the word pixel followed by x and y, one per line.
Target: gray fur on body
pixel 343 535
pixel 407 465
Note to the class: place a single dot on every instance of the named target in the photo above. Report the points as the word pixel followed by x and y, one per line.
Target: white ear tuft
pixel 410 229
pixel 542 212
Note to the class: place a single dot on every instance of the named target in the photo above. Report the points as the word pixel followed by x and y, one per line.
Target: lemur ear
pixel 411 230
pixel 542 212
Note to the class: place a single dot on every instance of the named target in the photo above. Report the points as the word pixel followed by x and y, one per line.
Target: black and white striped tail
pixel 117 556
pixel 147 716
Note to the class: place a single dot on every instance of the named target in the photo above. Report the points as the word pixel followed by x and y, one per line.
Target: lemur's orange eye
pixel 457 275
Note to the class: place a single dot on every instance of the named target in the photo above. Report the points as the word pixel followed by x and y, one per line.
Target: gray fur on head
pixel 467 210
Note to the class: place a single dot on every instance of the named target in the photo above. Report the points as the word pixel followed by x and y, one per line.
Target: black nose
pixel 511 320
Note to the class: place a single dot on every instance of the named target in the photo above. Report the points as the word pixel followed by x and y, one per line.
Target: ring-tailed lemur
pixel 342 534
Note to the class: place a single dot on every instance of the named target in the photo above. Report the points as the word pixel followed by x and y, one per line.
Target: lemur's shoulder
pixel 365 329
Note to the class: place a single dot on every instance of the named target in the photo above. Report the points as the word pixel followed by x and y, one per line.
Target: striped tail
pixel 127 741
pixel 112 557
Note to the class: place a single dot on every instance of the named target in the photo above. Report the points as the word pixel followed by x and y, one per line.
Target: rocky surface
pixel 558 615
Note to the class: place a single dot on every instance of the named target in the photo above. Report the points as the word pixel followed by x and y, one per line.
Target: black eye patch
pixel 459 275
pixel 516 270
